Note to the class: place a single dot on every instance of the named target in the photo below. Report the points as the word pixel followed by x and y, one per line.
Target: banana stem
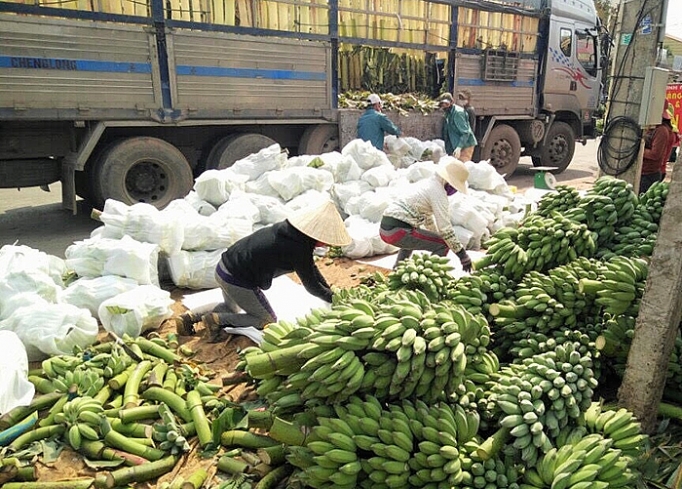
pixel 6 436
pixel 42 385
pixel 138 430
pixel 245 439
pixel 589 287
pixel 120 380
pixel 104 394
pixel 139 473
pixel 201 423
pixel 286 432
pixel 282 361
pixel 260 419
pixel 175 402
pixel 38 403
pixel 117 440
pixel 71 484
pixel 274 477
pixel 490 447
pixel 139 413
pixel 232 465
pixel 131 397
pixel 273 456
pixel 157 350
pixel 155 378
pixel 196 480
pixel 170 380
pixel 37 434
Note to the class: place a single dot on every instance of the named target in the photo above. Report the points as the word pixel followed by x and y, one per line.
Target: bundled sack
pixel 343 192
pixel 125 257
pixel 34 282
pixel 240 206
pixel 194 269
pixel 15 389
pixel 19 258
pixel 291 182
pixel 379 176
pixel 270 209
pixel 89 293
pixel 136 311
pixel 484 176
pixel 364 154
pixel 48 329
pixel 366 239
pixel 215 186
pixel 201 206
pixel 254 165
pixel 142 222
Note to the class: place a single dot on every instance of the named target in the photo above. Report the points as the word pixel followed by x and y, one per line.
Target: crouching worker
pixel 403 221
pixel 248 267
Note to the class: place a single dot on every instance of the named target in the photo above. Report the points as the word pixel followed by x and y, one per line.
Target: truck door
pixel 571 81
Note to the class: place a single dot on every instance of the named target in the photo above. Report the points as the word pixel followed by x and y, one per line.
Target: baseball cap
pixel 374 99
pixel 446 98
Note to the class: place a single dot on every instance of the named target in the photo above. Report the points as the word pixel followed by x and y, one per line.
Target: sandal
pixel 216 333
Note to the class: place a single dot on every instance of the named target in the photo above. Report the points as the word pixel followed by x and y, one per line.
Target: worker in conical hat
pixel 405 220
pixel 248 267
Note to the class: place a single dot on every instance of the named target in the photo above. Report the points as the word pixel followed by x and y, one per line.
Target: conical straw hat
pixel 454 172
pixel 322 223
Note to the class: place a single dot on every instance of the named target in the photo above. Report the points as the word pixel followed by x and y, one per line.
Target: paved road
pixel 35 218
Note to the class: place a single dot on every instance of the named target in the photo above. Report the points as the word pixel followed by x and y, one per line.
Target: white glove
pixel 457 152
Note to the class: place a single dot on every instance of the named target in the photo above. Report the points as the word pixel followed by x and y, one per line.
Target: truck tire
pixel 141 169
pixel 316 140
pixel 235 147
pixel 503 149
pixel 29 173
pixel 558 148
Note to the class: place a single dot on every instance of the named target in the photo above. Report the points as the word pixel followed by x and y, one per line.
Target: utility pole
pixel 639 34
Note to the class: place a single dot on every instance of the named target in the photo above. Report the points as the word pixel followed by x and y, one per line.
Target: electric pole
pixel 639 34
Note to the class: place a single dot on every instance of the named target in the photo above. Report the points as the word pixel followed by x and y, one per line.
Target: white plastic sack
pixel 261 186
pixel 302 160
pixel 267 159
pixel 89 293
pixel 18 258
pixel 347 169
pixel 364 154
pixel 240 206
pixel 195 269
pixel 51 329
pixel 379 176
pixel 464 236
pixel 27 281
pixel 136 311
pixel 464 214
pixel 271 209
pixel 142 222
pixel 307 200
pixel 343 192
pixel 366 239
pixel 125 257
pixel 484 176
pixel 215 186
pixel 15 389
pixel 420 170
pixel 198 204
pixel 291 182
pixel 370 205
pixel 396 146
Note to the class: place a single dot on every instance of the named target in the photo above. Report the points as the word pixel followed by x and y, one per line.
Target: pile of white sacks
pixel 112 278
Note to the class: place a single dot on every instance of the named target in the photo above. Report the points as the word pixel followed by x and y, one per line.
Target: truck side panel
pixel 505 98
pixel 75 69
pixel 215 72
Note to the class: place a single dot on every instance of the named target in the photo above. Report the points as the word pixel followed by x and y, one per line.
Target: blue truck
pixel 132 99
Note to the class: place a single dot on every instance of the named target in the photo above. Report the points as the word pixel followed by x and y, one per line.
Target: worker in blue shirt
pixel 373 124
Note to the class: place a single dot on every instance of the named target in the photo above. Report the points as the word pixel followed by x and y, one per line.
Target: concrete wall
pixel 422 127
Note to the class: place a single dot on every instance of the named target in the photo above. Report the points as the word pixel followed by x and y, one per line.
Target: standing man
pixel 372 125
pixel 657 150
pixel 457 134
pixel 248 267
pixel 464 97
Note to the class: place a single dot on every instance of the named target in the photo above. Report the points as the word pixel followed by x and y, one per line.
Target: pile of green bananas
pixel 398 347
pixel 169 433
pixel 652 201
pixel 621 194
pixel 81 416
pixel 82 381
pixel 364 443
pixel 541 395
pixel 564 199
pixel 469 291
pixel 619 287
pixel 621 426
pixel 425 272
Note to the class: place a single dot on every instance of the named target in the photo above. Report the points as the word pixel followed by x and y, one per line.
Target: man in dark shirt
pixel 373 124
pixel 248 267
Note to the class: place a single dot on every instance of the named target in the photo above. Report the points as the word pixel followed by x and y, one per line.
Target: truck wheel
pixel 235 147
pixel 503 149
pixel 559 147
pixel 141 169
pixel 316 140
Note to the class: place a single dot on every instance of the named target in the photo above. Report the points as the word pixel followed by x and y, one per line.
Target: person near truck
pixel 405 220
pixel 657 148
pixel 464 97
pixel 457 134
pixel 373 125
pixel 248 267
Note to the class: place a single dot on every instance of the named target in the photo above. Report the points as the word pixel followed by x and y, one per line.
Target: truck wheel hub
pixel 146 182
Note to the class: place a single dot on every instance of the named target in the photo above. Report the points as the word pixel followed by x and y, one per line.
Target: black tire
pixel 29 173
pixel 503 149
pixel 141 169
pixel 316 140
pixel 235 147
pixel 559 147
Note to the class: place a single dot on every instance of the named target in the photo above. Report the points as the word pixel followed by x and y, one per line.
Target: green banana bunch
pixel 169 433
pixel 496 471
pixel 621 193
pixel 428 273
pixel 652 201
pixel 564 199
pixel 621 427
pixel 619 287
pixel 468 292
pixel 81 416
